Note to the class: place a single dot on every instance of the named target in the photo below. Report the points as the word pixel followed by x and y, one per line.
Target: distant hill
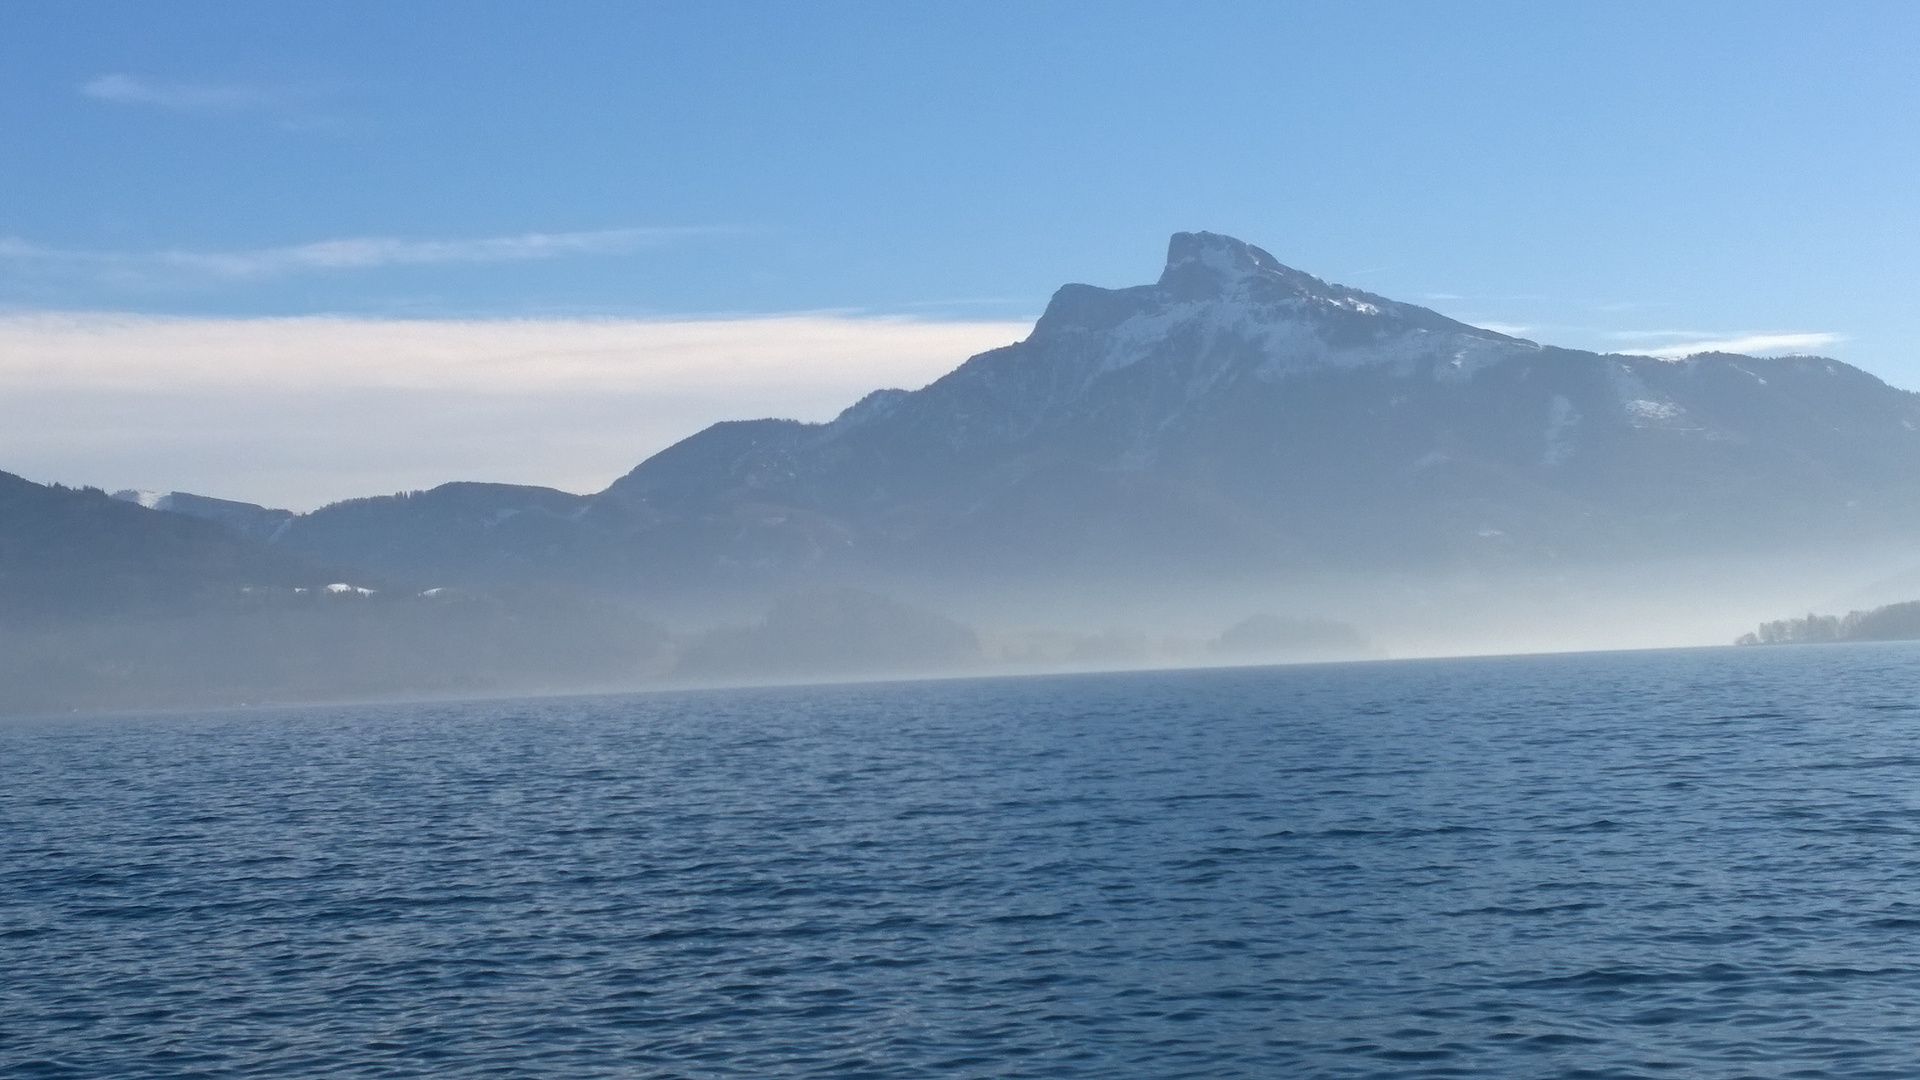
pixel 1273 638
pixel 69 553
pixel 834 633
pixel 1894 622
pixel 250 521
pixel 1236 418
pixel 458 533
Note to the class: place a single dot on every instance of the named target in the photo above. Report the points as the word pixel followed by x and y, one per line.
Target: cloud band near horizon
pixel 299 412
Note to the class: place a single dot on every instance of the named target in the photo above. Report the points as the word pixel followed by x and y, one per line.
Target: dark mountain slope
pixel 68 554
pixel 465 533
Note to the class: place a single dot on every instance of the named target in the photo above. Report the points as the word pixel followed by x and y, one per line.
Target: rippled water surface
pixel 1678 864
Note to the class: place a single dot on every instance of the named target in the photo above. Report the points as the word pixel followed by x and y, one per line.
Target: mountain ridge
pixel 1234 417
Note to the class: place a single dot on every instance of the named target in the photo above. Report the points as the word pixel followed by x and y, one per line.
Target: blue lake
pixel 1664 864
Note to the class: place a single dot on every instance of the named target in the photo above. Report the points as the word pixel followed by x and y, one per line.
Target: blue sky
pixel 1615 176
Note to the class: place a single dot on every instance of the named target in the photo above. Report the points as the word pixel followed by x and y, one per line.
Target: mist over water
pixel 1691 863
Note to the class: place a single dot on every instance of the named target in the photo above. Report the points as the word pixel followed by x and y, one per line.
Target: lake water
pixel 1667 864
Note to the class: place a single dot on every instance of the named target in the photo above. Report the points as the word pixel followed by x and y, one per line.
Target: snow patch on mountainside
pixel 1653 412
pixel 1277 340
pixel 1562 421
pixel 149 499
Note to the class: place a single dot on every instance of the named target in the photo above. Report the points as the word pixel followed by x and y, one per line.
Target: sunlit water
pixel 1678 864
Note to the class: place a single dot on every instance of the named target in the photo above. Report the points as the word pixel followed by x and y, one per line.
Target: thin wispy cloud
pixel 349 253
pixel 968 301
pixel 358 253
pixel 287 106
pixel 1677 344
pixel 122 89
